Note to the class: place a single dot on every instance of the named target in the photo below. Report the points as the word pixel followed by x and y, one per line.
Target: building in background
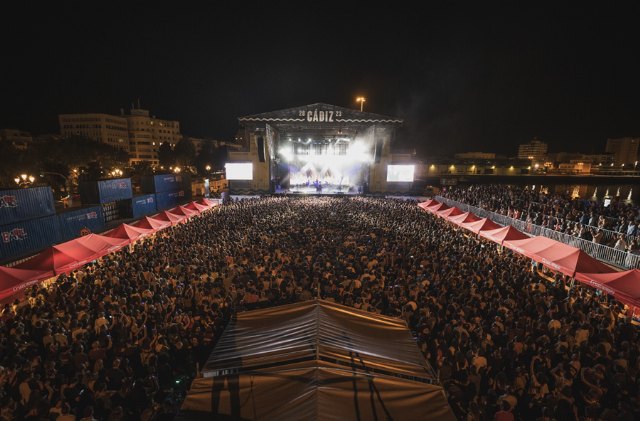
pixel 104 128
pixel 139 133
pixel 568 157
pixel 533 151
pixel 624 150
pixel 147 133
pixel 475 155
pixel 18 138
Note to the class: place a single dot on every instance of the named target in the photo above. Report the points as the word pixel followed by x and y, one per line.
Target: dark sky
pixel 463 77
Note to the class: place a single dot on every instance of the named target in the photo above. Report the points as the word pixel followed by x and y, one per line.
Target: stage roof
pixel 316 360
pixel 339 115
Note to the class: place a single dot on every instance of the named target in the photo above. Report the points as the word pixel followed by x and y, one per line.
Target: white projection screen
pixel 239 171
pixel 400 173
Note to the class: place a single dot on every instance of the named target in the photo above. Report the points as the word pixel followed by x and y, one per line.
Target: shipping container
pixel 162 183
pixel 143 205
pixel 168 200
pixel 105 191
pixel 23 204
pixel 79 222
pixel 28 237
pixel 125 209
pixel 114 190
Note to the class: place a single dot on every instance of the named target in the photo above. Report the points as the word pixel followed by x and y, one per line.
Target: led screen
pixel 239 171
pixel 400 173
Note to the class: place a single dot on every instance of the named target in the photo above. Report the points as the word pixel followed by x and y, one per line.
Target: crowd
pixel 587 219
pixel 111 341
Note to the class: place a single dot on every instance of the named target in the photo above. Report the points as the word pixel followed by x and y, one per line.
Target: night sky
pixel 464 78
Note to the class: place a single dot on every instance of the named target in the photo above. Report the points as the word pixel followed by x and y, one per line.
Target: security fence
pixel 602 252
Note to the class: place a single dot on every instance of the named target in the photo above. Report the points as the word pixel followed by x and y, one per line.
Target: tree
pixel 14 162
pixel 76 151
pixel 166 155
pixel 185 152
pixel 58 156
pixel 205 157
pixel 142 168
pixel 220 156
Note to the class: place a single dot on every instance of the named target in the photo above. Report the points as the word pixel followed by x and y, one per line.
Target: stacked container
pixel 114 195
pixel 27 221
pixel 80 222
pixel 143 205
pixel 170 189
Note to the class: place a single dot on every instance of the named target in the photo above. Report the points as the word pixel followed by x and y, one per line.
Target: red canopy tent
pixel 624 286
pixel 558 256
pixel 50 260
pixel 529 246
pixel 151 223
pixel 574 261
pixel 170 217
pixel 13 280
pixel 87 248
pixel 449 212
pixel 425 205
pixel 208 202
pixel 479 225
pixel 99 244
pixel 196 206
pixel 464 218
pixel 181 210
pixel 432 203
pixel 499 235
pixel 437 208
pixel 129 232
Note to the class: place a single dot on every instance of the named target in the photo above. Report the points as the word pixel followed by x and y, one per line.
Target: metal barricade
pixel 601 252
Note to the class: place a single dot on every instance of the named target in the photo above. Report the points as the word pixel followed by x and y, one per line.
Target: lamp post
pixel 24 180
pixel 361 100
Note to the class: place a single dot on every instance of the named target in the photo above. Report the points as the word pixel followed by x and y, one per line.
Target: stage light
pixel 286 153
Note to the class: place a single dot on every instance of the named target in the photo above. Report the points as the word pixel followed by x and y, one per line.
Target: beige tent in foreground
pixel 316 360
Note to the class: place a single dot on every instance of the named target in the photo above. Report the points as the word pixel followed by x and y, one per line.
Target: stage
pixel 317 191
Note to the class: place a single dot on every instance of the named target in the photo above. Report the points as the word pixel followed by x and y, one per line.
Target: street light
pixel 24 180
pixel 208 168
pixel 361 100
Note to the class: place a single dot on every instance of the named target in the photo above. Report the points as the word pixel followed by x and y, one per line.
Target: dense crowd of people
pixel 614 224
pixel 114 340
